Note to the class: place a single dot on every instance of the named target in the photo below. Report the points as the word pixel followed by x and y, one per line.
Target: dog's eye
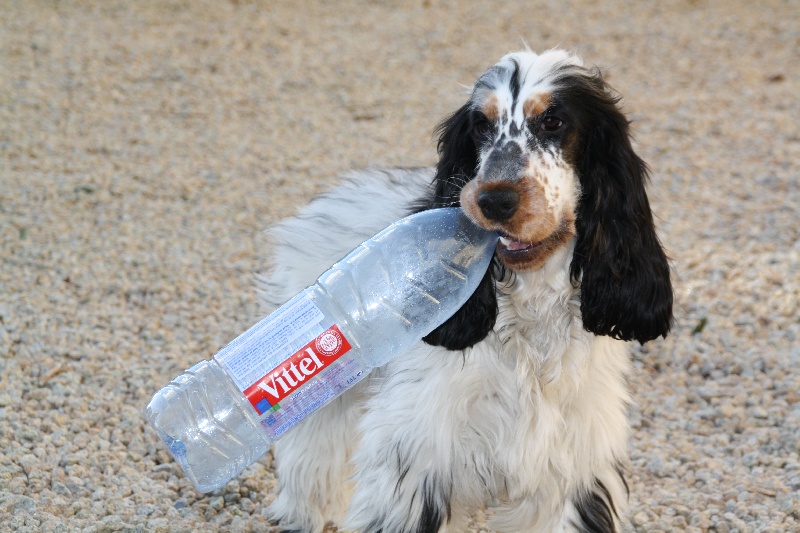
pixel 551 123
pixel 481 130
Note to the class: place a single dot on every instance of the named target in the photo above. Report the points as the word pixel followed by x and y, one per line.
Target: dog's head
pixel 542 154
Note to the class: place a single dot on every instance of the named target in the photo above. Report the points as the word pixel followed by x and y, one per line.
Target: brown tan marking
pixel 536 105
pixel 491 108
pixel 535 221
pixel 536 256
pixel 570 148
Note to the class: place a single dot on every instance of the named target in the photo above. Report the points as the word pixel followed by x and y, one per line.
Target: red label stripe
pixel 297 369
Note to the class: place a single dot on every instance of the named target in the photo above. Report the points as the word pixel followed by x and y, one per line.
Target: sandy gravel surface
pixel 144 145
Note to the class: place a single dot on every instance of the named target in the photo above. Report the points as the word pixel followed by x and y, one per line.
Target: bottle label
pixel 265 345
pixel 289 364
pixel 299 368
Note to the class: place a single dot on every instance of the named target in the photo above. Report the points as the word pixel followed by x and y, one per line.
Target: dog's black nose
pixel 498 204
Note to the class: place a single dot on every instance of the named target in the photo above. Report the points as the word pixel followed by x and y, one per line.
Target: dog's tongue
pixel 516 245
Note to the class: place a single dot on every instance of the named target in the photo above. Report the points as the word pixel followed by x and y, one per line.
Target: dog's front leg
pixel 313 466
pixel 410 458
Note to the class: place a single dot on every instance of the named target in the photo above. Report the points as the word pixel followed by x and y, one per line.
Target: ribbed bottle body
pixel 221 415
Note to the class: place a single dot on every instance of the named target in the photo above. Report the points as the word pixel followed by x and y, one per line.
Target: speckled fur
pixel 529 416
pixel 518 400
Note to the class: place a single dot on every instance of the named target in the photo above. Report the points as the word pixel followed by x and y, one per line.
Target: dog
pixel 519 400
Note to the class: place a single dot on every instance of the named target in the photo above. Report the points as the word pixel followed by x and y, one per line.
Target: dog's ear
pixel 472 322
pixel 623 272
pixel 458 159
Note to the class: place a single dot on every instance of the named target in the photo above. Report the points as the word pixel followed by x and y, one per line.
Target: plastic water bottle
pixel 221 415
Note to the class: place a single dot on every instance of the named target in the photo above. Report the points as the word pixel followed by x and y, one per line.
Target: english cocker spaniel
pixel 518 402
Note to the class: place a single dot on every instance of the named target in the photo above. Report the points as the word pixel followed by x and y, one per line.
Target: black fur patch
pixel 435 507
pixel 431 519
pixel 516 84
pixel 470 324
pixel 597 511
pixel 458 159
pixel 623 272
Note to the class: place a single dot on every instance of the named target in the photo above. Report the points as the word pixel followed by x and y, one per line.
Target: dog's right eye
pixel 481 130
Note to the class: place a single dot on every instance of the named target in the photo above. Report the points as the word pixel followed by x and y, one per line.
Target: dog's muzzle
pixel 498 199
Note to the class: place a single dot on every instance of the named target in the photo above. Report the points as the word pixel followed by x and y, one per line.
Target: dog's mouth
pixel 519 254
pixel 531 230
pixel 512 246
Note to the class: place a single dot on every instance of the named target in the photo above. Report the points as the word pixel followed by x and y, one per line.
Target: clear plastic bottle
pixel 221 415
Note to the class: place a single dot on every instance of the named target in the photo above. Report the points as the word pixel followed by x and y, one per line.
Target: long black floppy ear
pixel 472 322
pixel 458 160
pixel 623 272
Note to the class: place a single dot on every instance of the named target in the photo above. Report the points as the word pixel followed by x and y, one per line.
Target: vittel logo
pixel 297 370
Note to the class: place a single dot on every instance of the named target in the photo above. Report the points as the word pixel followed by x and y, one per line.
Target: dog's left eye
pixel 551 123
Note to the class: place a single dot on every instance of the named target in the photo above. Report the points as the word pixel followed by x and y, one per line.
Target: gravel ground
pixel 144 145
